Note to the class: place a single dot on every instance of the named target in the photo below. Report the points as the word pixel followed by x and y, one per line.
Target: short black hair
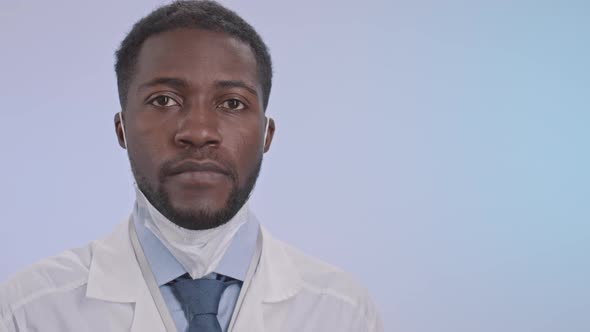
pixel 195 14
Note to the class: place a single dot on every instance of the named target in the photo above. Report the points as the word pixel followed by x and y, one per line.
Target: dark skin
pixel 194 124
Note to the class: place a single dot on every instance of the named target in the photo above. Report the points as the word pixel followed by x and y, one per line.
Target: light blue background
pixel 437 150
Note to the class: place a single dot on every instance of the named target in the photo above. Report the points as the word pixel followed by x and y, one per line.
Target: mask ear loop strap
pixel 266 130
pixel 127 150
pixel 123 128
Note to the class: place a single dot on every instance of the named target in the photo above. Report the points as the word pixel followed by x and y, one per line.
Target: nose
pixel 197 128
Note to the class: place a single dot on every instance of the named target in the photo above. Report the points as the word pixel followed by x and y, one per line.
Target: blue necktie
pixel 200 300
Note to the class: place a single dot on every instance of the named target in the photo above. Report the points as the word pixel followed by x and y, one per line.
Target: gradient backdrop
pixel 437 150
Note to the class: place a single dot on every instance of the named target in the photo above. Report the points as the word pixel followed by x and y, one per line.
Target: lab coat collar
pixel 277 271
pixel 114 276
pixel 114 271
pixel 276 279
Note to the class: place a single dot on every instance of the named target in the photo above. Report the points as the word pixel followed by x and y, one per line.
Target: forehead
pixel 196 56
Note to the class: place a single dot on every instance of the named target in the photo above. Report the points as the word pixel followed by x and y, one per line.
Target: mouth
pixel 197 166
pixel 194 172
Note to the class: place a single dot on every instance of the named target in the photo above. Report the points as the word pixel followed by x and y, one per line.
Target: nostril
pixel 197 127
pixel 198 137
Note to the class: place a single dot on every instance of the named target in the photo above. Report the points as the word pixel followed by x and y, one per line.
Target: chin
pixel 202 213
pixel 199 203
pixel 201 219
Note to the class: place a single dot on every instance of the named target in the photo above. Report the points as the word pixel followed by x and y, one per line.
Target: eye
pixel 163 101
pixel 233 105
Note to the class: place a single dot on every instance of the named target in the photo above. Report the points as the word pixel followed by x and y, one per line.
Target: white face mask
pixel 198 251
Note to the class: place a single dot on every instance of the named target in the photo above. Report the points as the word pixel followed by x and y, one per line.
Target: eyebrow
pixel 236 84
pixel 170 81
pixel 181 84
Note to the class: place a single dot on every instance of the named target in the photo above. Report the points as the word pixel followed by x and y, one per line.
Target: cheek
pixel 148 150
pixel 246 149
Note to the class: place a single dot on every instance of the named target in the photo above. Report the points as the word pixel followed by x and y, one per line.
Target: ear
pixel 119 131
pixel 269 134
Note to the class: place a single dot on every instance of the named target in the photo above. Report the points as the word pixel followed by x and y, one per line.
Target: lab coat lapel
pixel 250 317
pixel 114 273
pixel 276 280
pixel 279 277
pixel 115 276
pixel 146 317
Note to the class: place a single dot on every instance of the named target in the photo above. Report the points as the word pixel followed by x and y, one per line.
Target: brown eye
pixel 233 105
pixel 163 101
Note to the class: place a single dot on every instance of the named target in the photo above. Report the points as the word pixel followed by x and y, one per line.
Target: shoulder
pixel 50 276
pixel 333 285
pixel 321 277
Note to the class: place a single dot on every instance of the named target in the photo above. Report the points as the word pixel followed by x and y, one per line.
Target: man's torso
pixel 99 288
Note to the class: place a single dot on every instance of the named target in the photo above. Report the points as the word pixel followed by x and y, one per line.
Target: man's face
pixel 194 125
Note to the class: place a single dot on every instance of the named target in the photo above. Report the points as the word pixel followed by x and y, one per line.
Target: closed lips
pixel 193 166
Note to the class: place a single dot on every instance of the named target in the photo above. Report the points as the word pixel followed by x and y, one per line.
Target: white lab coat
pixel 100 288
